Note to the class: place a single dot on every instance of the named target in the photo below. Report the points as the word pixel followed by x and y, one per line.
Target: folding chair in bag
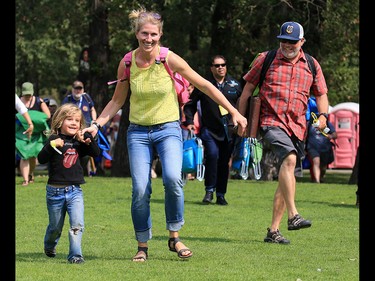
pixel 192 161
pixel 255 146
pixel 241 157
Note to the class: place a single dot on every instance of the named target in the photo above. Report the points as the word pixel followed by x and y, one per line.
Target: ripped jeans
pixel 60 201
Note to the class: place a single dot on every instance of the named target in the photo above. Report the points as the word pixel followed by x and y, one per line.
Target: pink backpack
pixel 180 83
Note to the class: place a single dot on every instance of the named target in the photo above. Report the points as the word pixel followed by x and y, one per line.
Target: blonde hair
pixel 140 17
pixel 62 112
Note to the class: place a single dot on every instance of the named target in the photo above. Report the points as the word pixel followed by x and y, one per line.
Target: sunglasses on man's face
pixel 78 88
pixel 292 42
pixel 219 64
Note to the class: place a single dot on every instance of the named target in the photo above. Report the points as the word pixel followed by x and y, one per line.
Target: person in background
pixel 319 147
pixel 84 101
pixel 52 106
pixel 284 96
pixel 22 109
pixel 197 123
pixel 28 149
pixel 84 74
pixel 154 127
pixel 216 129
pixel 65 147
pixel 196 119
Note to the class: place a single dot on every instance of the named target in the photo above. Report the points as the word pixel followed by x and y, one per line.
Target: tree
pixel 50 35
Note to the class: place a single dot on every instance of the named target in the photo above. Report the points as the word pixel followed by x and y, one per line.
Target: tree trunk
pixel 120 162
pixel 99 54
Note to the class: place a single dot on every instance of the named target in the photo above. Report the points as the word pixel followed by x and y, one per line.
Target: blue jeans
pixel 60 201
pixel 167 140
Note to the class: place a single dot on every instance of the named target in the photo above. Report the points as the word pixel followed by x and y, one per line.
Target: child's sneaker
pixel 50 253
pixel 76 260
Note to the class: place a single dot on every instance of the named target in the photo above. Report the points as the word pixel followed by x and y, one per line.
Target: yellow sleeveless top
pixel 153 98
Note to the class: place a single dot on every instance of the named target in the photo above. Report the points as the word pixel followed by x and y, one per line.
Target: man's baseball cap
pixel 77 84
pixel 291 30
pixel 27 89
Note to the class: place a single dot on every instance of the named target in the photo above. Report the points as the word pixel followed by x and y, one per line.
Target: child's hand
pixel 57 142
pixel 83 137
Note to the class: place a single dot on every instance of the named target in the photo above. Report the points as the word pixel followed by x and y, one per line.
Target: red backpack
pixel 180 83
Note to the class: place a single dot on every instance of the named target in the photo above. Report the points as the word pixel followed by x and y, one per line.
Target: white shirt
pixel 20 106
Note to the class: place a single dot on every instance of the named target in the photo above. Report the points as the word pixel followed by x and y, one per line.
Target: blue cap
pixel 291 30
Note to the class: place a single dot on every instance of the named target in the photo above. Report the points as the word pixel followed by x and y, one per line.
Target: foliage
pixel 227 241
pixel 50 35
pixel 341 63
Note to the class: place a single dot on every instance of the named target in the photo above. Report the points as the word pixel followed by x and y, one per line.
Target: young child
pixel 65 147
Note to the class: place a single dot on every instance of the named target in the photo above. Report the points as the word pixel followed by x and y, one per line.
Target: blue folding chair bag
pixel 190 150
pixel 192 159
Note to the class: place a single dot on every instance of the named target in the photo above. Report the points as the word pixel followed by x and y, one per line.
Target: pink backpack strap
pixel 180 82
pixel 128 62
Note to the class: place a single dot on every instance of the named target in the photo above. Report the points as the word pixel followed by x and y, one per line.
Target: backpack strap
pixel 88 99
pixel 183 95
pixel 266 64
pixel 128 62
pixel 162 57
pixel 311 64
pixel 126 76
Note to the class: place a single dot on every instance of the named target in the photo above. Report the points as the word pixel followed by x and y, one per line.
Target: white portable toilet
pixel 345 118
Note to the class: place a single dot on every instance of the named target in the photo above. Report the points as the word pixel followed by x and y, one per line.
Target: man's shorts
pixel 281 143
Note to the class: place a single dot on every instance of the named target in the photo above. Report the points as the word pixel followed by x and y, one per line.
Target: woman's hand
pixel 240 123
pixel 29 131
pixel 93 130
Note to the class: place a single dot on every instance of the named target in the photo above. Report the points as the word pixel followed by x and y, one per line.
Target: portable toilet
pixel 345 118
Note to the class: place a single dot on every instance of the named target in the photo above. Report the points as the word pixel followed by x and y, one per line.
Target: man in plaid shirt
pixel 284 95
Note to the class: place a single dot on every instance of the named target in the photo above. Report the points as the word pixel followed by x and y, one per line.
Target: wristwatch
pixel 324 114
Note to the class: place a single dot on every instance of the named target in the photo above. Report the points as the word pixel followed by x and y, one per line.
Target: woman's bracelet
pixel 96 125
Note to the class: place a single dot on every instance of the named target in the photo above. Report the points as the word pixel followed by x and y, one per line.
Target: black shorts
pixel 326 157
pixel 281 143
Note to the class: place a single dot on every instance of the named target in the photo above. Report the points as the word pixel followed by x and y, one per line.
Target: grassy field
pixel 227 241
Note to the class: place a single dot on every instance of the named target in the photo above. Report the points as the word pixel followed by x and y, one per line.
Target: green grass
pixel 227 241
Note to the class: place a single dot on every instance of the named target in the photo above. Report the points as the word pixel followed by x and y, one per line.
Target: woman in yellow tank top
pixel 154 123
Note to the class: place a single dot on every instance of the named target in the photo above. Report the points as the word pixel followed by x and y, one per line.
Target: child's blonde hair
pixel 62 112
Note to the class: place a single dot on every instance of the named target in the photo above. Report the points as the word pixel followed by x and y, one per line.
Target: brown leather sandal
pixel 172 247
pixel 141 255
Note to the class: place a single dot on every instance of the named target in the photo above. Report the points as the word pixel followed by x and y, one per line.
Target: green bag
pixel 26 147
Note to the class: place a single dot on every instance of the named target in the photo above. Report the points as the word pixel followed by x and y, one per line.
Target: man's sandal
pixel 141 255
pixel 172 247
